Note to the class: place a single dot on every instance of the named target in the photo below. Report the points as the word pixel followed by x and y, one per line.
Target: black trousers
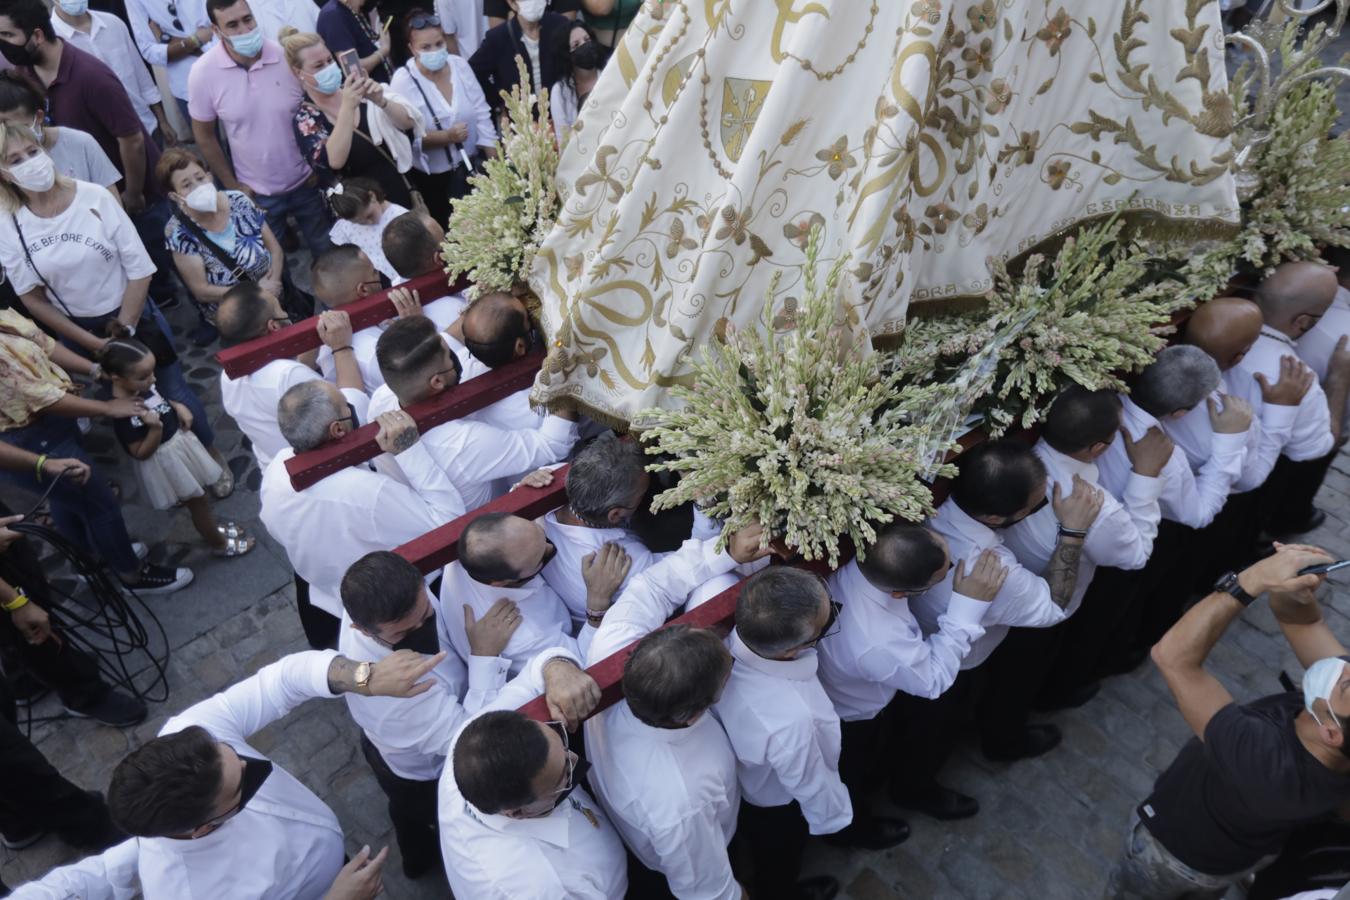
pixel 775 837
pixel 1229 542
pixel 1091 636
pixel 320 626
pixel 35 797
pixel 412 810
pixel 1011 680
pixel 1290 491
pixel 926 733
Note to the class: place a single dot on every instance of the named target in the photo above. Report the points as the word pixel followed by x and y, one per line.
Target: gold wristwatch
pixel 363 671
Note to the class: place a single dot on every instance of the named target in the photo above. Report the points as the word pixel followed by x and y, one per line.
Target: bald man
pixel 1293 299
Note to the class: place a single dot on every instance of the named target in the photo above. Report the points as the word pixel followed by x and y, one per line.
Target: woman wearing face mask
pixel 570 93
pixel 459 123
pixel 217 238
pixel 352 130
pixel 75 153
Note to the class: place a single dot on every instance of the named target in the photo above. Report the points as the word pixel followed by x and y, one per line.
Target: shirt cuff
pixel 488 673
pixel 1142 488
pixel 1227 445
pixel 1275 417
pixel 965 610
pixel 315 672
pixel 558 429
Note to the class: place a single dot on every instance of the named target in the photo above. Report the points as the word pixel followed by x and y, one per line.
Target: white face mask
pixel 37 173
pixel 202 198
pixel 1319 682
pixel 531 10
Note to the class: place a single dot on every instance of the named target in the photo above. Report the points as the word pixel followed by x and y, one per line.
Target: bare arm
pixel 192 268
pixel 132 150
pixel 1061 573
pixel 71 361
pixel 278 255
pixel 133 301
pixel 1300 619
pixel 46 312
pixel 204 133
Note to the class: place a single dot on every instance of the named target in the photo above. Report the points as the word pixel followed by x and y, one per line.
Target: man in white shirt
pixel 495 330
pixel 248 312
pixel 215 818
pixel 171 34
pixel 480 460
pixel 500 558
pixel 412 244
pixel 664 769
pixel 329 525
pixel 1293 299
pixel 273 15
pixel 516 821
pixel 880 662
pixel 1041 667
pixel 1318 344
pixel 345 274
pixel 105 36
pixel 1119 603
pixel 998 484
pixel 783 729
pixel 386 608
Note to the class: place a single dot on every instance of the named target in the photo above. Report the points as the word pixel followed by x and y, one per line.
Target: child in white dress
pixel 363 211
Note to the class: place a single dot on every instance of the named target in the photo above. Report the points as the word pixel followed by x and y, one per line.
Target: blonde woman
pixel 78 266
pixel 352 130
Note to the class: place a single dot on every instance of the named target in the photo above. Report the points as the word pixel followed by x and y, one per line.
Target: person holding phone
pixel 459 123
pixel 335 125
pixel 347 25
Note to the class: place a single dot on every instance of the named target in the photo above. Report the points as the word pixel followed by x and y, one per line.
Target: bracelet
pixel 20 600
pixel 40 461
pixel 594 617
pixel 1073 532
pixel 340 349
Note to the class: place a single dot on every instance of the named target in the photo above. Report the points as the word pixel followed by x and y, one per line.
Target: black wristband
pixel 1073 532
pixel 337 350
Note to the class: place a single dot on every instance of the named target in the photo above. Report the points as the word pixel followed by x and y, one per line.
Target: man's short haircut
pixel 498 323
pixel 334 272
pixel 18 91
pixel 168 786
pixel 674 674
pixel 996 478
pixel 379 588
pixel 777 609
pixel 904 557
pixel 243 314
pixel 305 413
pixel 482 546
pixel 603 475
pixel 29 16
pixel 1180 377
pixel 408 245
pixel 1079 418
pixel 409 352
pixel 497 758
pixel 214 6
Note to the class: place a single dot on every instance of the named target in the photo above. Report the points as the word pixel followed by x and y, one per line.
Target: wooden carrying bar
pixel 247 358
pixel 359 446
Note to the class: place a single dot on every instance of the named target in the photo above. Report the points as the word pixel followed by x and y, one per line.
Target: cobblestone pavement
pixel 1050 828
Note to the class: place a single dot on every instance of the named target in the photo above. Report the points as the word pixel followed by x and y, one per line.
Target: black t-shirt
pixel 1228 801
pixel 133 430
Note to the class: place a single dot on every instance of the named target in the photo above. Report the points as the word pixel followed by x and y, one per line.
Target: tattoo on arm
pixel 1062 571
pixel 341 675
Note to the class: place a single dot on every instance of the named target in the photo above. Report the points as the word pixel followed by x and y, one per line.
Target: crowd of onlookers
pixel 326 146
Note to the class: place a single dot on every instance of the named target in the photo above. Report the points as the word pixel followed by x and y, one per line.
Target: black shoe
pixel 1033 740
pixel 115 709
pixel 1071 700
pixel 819 887
pixel 160 580
pixel 939 802
pixel 19 842
pixel 414 869
pixel 872 833
pixel 1316 518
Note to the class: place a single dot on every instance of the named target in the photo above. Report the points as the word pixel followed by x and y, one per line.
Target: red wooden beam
pixel 359 446
pixel 297 338
pixel 440 547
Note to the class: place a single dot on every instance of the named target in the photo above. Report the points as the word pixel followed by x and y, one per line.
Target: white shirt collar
pixel 1280 336
pixel 551 829
pixel 803 668
pixel 605 535
pixel 665 735
pixel 1139 419
pixel 64 29
pixel 1066 466
pixel 978 533
pixel 856 588
pixel 516 594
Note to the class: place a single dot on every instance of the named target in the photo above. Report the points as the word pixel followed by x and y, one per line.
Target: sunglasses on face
pixel 831 625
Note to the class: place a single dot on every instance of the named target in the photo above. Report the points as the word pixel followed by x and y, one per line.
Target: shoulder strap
pixel 417 83
pixel 225 259
pixel 387 158
pixel 51 291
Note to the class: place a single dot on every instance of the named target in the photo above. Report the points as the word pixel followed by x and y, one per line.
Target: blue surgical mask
pixel 247 45
pixel 1318 683
pixel 73 7
pixel 328 79
pixel 434 60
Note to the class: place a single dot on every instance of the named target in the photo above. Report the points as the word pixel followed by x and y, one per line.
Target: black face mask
pixel 423 638
pixel 255 773
pixel 1045 501
pixel 587 56
pixel 19 54
pixel 577 775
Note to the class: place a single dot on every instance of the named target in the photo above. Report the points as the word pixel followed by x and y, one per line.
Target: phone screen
pixel 349 61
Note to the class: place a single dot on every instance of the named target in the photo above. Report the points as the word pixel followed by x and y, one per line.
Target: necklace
pixel 363 22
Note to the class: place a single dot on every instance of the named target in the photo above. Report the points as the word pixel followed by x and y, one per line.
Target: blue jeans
pixel 169 380
pixel 306 205
pixel 88 515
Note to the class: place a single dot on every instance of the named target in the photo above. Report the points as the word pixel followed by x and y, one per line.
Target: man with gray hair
pixel 783 728
pixel 329 525
pixel 1124 611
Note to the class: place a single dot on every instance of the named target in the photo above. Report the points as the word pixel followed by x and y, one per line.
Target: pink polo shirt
pixel 257 107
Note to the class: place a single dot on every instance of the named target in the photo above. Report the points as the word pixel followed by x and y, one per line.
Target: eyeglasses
pixel 419 22
pixel 350 416
pixel 561 794
pixel 831 625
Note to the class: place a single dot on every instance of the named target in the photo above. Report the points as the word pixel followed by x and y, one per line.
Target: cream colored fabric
pixel 924 136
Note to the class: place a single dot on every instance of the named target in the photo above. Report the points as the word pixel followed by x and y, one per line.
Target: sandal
pixel 237 542
pixel 224 485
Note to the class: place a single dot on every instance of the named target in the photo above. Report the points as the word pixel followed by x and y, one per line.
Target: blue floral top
pixel 246 232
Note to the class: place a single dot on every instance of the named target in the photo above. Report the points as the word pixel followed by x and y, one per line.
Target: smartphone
pixel 350 62
pixel 1323 568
